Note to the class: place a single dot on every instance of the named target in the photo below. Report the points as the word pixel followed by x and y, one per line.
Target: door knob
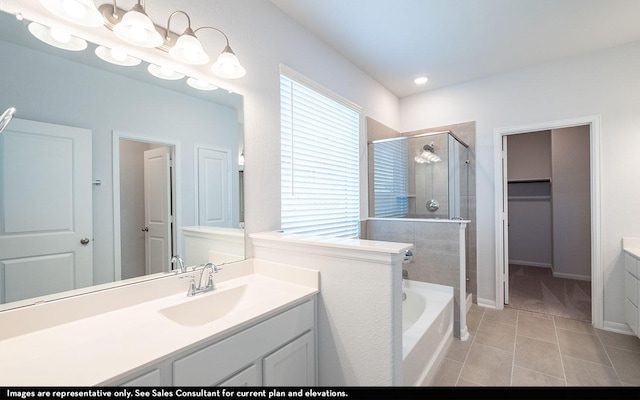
pixel 84 241
pixel 145 229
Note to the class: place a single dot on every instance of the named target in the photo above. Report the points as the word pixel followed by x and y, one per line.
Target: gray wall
pixel 571 202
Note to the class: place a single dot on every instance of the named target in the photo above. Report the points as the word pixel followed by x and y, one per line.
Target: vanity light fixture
pixel 187 48
pixel 82 12
pixel 116 56
pixel 163 72
pixel 136 28
pixel 57 37
pixel 200 84
pixel 227 65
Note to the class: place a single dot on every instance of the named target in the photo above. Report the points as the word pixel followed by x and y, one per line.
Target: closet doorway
pixel 548 219
pixel 548 233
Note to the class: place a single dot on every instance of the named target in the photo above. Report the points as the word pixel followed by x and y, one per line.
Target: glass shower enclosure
pixel 422 176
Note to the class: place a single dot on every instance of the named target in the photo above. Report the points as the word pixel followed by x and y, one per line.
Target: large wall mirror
pixel 110 158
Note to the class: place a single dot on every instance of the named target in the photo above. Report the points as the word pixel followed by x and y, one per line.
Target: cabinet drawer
pixel 632 265
pixel 215 362
pixel 631 288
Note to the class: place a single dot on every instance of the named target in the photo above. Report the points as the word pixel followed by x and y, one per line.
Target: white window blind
pixel 319 163
pixel 390 181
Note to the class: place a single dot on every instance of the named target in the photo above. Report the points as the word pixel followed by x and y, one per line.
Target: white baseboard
pixel 572 276
pixel 530 263
pixel 487 303
pixel 618 328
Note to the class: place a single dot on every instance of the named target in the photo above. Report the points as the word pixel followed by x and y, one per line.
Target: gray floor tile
pixel 526 377
pixel 619 340
pixel 537 328
pixel 574 325
pixel 459 349
pixel 626 364
pixel 448 373
pixel 488 366
pixel 583 346
pixel 538 355
pixel 507 316
pixel 584 373
pixel 496 335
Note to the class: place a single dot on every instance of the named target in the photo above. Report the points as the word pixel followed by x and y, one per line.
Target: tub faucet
pixel 193 290
pixel 177 259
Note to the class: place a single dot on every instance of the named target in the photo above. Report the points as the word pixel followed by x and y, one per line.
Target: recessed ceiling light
pixel 421 80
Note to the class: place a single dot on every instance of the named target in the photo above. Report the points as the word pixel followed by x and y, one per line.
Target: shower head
pixel 427 155
pixel 6 117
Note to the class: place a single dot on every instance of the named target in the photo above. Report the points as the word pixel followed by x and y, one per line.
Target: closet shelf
pixel 541 180
pixel 526 198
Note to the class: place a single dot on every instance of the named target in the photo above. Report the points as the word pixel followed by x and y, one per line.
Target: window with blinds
pixel 390 181
pixel 319 162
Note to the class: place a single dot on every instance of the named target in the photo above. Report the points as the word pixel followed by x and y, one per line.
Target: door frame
pixel 500 187
pixel 176 193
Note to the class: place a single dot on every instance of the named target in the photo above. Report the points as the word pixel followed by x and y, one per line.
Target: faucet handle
pixel 192 286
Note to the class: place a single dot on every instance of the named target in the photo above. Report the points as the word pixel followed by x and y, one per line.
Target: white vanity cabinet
pixel 632 292
pixel 150 378
pixel 278 351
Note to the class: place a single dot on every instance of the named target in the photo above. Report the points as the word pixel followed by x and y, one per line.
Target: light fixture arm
pixel 187 31
pixel 115 8
pixel 215 29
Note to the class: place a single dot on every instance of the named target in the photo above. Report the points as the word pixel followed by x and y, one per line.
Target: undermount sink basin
pixel 212 306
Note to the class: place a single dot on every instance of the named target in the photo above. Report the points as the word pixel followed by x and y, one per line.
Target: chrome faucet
pixel 180 262
pixel 193 290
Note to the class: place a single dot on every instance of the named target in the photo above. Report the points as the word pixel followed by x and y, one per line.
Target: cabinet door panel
pixel 293 364
pixel 247 377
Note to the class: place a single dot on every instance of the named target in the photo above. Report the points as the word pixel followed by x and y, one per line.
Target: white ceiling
pixel 453 41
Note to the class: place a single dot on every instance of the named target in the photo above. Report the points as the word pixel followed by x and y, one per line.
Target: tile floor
pixel 511 347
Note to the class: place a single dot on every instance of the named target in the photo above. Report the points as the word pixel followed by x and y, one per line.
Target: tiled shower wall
pixel 467 132
pixel 436 251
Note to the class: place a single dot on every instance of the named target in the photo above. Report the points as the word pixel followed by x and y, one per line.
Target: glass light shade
pixel 200 84
pixel 81 12
pixel 227 65
pixel 116 56
pixel 188 49
pixel 56 37
pixel 136 28
pixel 164 72
pixel 6 117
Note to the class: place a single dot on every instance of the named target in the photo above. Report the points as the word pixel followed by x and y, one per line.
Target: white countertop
pixel 101 348
pixel 631 246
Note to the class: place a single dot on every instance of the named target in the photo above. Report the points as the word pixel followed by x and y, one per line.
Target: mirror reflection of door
pixel 146 191
pixel 214 187
pixel 46 237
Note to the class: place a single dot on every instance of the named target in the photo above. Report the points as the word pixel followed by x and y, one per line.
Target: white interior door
pixel 157 209
pixel 46 243
pixel 214 180
pixel 505 220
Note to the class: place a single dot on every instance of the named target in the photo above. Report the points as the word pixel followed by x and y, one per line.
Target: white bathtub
pixel 427 330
